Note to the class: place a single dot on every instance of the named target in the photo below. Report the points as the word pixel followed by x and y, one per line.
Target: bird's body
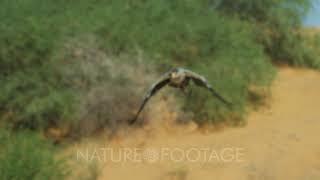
pixel 178 78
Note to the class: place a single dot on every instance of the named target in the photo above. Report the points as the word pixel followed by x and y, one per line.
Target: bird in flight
pixel 178 78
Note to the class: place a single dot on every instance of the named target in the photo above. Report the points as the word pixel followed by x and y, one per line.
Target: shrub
pixel 61 66
pixel 277 23
pixel 218 47
pixel 30 90
pixel 26 156
pixel 106 87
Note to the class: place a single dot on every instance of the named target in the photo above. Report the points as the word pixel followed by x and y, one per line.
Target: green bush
pixel 30 90
pixel 59 61
pixel 25 155
pixel 276 25
pixel 45 84
pixel 220 48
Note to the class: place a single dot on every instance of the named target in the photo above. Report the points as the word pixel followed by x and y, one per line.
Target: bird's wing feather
pixel 164 80
pixel 201 81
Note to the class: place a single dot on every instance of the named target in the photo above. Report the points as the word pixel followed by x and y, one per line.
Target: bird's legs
pixel 189 93
pixel 183 86
pixel 186 92
pixel 183 89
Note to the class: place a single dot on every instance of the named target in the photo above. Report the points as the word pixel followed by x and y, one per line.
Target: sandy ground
pixel 279 142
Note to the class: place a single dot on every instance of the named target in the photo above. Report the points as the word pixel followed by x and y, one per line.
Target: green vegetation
pixel 74 63
pixel 27 156
pixel 277 26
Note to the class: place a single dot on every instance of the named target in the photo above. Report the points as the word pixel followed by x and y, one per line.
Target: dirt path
pixel 281 142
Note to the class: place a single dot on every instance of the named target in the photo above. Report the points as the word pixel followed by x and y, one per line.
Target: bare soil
pixel 278 142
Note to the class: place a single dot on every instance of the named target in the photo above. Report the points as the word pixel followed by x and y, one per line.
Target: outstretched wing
pixel 201 81
pixel 152 91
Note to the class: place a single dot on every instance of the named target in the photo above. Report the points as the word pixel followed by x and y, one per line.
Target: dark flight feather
pixel 202 82
pixel 152 91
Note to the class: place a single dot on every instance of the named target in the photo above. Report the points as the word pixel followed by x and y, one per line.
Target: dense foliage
pixel 67 62
pixel 27 156
pixel 277 26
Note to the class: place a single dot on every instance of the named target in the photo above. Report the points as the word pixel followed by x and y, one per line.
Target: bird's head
pixel 174 73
